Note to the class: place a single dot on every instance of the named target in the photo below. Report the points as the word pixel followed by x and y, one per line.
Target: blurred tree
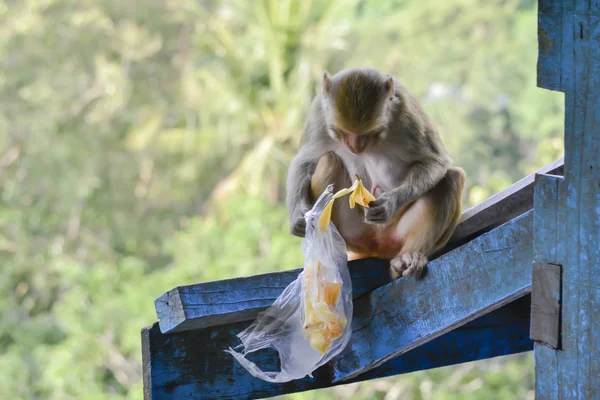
pixel 144 147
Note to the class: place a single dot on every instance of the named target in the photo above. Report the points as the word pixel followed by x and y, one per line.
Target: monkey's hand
pixel 298 223
pixel 380 211
pixel 299 227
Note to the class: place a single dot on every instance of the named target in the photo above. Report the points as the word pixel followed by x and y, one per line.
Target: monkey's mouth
pixel 353 151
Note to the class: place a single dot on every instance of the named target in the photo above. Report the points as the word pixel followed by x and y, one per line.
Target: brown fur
pixel 360 97
pixel 421 227
pixel 367 123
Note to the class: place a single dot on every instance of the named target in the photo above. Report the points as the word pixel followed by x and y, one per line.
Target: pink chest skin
pixel 380 173
pixel 367 240
pixel 376 190
pixel 383 243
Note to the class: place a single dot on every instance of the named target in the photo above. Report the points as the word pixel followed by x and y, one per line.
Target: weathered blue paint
pixel 549 66
pixel 466 283
pixel 574 371
pixel 546 319
pixel 191 365
pixel 545 218
pixel 546 237
pixel 469 282
pixel 241 299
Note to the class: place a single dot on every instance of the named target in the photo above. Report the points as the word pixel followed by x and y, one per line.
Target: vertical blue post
pixel 569 60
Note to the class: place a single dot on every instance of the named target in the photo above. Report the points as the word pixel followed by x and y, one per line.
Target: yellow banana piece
pixel 322 323
pixel 359 195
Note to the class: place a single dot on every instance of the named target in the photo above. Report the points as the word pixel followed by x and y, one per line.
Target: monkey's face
pixel 356 142
pixel 355 107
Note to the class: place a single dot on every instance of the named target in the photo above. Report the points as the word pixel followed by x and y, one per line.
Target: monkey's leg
pixel 329 170
pixel 426 225
pixel 349 222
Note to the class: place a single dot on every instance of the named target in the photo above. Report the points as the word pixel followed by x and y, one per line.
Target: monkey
pixel 366 123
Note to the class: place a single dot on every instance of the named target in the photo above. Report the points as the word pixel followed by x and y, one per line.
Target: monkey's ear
pixel 326 82
pixel 389 87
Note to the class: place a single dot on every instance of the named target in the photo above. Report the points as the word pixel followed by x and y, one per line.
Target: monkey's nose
pixel 353 149
pixel 353 145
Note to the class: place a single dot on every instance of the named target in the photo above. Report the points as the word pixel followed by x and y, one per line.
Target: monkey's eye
pixel 378 132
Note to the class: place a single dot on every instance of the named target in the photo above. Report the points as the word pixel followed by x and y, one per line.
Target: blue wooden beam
pixel 550 45
pixel 191 364
pixel 461 286
pixel 569 226
pixel 241 299
pixel 546 240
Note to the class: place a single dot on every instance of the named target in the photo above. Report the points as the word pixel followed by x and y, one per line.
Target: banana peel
pixel 323 324
pixel 358 195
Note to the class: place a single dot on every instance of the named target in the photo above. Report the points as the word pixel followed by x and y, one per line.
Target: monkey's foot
pixel 408 264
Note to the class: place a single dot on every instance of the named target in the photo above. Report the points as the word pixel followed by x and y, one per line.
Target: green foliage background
pixel 143 145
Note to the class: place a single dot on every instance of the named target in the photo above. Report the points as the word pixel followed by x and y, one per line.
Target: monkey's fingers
pixel 377 214
pixel 378 202
pixel 408 264
pixel 299 227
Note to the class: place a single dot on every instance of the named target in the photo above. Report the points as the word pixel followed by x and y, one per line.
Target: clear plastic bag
pixel 309 323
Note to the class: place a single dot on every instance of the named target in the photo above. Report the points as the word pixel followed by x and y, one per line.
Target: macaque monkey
pixel 366 123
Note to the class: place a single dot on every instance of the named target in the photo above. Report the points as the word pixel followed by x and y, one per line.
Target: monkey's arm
pixel 421 177
pixel 313 144
pixel 298 189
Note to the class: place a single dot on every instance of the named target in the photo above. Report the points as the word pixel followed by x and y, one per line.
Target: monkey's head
pixel 356 102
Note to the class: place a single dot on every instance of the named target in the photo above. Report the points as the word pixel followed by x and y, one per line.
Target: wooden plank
pixel 241 299
pixel 545 304
pixel 181 365
pixel 577 292
pixel 471 281
pixel 580 203
pixel 501 332
pixel 573 372
pixel 549 64
pixel 545 252
pixel 147 364
pixel 567 213
pixel 588 346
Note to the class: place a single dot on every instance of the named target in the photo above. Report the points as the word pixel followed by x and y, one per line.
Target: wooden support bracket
pixel 545 304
